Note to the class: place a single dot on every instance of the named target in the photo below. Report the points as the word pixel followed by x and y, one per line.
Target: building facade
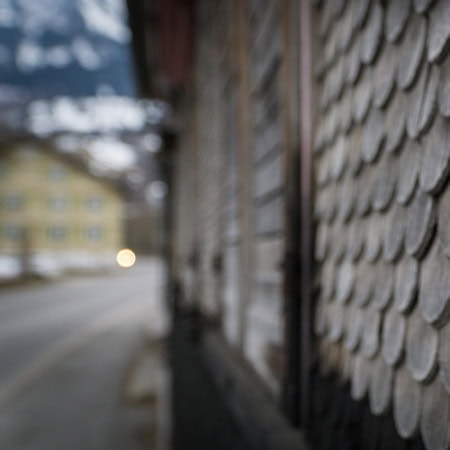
pixel 54 211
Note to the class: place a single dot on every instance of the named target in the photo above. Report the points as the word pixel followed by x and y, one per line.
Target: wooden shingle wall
pixel 382 209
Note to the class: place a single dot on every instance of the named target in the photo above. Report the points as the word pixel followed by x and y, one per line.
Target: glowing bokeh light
pixel 126 258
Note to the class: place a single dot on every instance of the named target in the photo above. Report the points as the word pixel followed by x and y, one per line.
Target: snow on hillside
pixel 65 47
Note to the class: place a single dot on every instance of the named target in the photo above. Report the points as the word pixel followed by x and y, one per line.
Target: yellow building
pixel 52 210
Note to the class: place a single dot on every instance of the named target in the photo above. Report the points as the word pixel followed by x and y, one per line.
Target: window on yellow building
pixel 13 202
pixel 94 203
pixel 57 203
pixel 57 173
pixel 93 233
pixel 57 233
pixel 27 153
pixel 13 232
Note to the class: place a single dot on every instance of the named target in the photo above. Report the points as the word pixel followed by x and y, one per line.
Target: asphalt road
pixel 65 351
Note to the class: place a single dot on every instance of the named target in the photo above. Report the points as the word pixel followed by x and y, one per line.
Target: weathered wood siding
pixel 233 163
pixel 382 158
pixel 264 321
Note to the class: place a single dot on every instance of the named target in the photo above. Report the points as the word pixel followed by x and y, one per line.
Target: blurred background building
pixel 56 217
pixel 67 91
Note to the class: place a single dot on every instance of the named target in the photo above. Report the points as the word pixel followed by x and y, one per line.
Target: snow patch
pixel 110 154
pixel 58 56
pixel 30 56
pixel 7 16
pixel 36 17
pixel 106 18
pixel 96 114
pixel 85 53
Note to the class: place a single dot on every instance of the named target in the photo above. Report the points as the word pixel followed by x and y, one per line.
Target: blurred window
pixel 13 201
pixel 27 153
pixel 94 203
pixel 93 233
pixel 57 203
pixel 13 232
pixel 57 173
pixel 56 233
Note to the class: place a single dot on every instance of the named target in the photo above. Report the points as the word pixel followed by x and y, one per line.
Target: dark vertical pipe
pixel 306 223
pixel 291 291
pixel 292 296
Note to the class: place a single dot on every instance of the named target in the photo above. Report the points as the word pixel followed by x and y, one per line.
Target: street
pixel 66 353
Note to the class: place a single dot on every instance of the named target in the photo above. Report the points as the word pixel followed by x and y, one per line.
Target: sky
pixel 73 48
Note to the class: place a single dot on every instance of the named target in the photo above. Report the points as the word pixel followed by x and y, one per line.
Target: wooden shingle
pixel 354 328
pixel 412 50
pixel 439 34
pixel 353 63
pixel 375 232
pixel 362 369
pixel 385 182
pixel 444 88
pixel 361 11
pixel 434 292
pixel 397 14
pixel 415 99
pixel 395 233
pixel 443 224
pixel 420 223
pixel 435 417
pixel 372 35
pixel 355 243
pixel 345 282
pixel 421 6
pixel 336 321
pixel 393 337
pixel 374 135
pixel 365 285
pixel 435 165
pixel 381 387
pixel 385 76
pixel 421 348
pixel 371 333
pixel 429 100
pixel 408 176
pixel 444 356
pixel 384 285
pixel 362 97
pixel 395 122
pixel 407 404
pixel 406 284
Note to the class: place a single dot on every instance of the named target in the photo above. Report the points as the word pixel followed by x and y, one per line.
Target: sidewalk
pixel 95 373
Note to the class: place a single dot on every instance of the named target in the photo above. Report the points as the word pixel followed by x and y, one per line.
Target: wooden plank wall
pixel 236 155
